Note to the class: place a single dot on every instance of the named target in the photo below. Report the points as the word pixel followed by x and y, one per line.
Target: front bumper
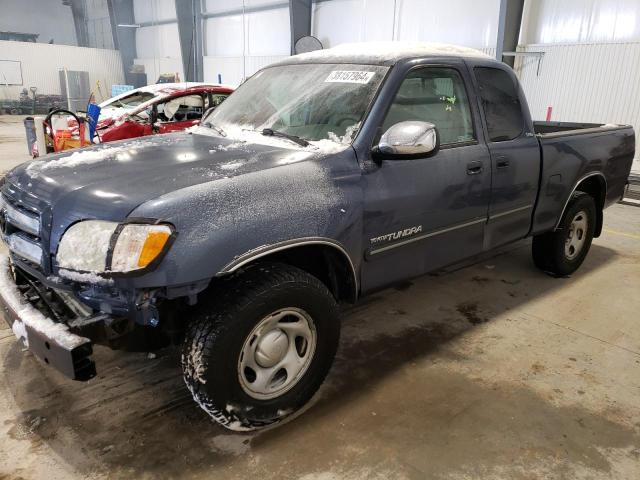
pixel 50 341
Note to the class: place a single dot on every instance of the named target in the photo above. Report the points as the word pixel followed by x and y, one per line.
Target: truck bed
pixel 566 128
pixel 572 152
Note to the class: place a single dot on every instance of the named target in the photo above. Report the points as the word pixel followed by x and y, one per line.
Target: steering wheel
pixel 47 121
pixel 58 111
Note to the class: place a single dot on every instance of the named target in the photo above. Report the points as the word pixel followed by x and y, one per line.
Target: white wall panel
pixel 460 22
pixel 220 6
pixel 230 69
pixel 41 63
pixel 234 69
pixel 261 33
pixel 223 36
pixel 154 10
pixel 237 45
pixel 161 41
pixel 343 21
pixel 158 46
pixel 572 21
pixel 583 82
pixel 154 67
pixel 51 20
pixel 268 32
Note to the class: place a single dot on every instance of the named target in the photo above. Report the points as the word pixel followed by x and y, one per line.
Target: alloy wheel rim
pixel 576 236
pixel 277 353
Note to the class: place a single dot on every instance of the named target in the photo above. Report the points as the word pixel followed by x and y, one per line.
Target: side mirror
pixel 410 139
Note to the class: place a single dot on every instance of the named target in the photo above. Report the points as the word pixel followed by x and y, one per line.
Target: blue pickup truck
pixel 324 177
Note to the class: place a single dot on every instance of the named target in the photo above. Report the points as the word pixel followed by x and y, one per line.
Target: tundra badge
pixel 407 232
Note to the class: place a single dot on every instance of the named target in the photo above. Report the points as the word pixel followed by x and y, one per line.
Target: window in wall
pixel 438 96
pixel 501 104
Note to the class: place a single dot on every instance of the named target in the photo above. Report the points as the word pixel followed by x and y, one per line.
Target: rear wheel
pixel 261 346
pixel 561 252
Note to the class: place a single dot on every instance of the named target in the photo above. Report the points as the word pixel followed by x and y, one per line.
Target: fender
pixel 566 203
pixel 265 250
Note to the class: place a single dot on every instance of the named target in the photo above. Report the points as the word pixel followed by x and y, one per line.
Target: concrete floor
pixel 491 371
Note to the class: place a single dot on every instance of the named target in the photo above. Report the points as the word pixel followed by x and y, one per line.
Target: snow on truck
pixel 322 178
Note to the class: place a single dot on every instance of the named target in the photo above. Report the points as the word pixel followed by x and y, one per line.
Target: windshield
pixel 131 101
pixel 310 101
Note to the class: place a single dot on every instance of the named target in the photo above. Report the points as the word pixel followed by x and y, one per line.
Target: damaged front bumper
pixel 50 341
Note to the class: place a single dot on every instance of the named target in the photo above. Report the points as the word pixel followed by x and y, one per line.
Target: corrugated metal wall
pixel 583 82
pixel 591 63
pixel 40 64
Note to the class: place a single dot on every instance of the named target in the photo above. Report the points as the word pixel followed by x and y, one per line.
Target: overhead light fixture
pixel 127 25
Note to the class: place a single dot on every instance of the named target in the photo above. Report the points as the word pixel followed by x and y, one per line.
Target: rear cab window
pixel 501 103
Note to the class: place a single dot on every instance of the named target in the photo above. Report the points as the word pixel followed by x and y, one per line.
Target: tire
pixel 561 252
pixel 236 338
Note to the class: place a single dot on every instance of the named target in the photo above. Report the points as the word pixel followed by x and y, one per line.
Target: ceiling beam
pixel 189 19
pixel 124 38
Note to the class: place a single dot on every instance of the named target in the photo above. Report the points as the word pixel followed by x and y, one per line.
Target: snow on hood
pixel 249 135
pixel 87 157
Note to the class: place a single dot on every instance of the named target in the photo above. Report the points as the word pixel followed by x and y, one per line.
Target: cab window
pixel 501 103
pixel 438 96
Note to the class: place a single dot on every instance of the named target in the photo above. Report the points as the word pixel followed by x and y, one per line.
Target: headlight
pixel 103 247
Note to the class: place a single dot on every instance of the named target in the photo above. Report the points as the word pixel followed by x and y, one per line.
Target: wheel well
pixel 328 264
pixel 595 186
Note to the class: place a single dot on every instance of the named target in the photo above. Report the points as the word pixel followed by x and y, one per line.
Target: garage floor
pixel 494 371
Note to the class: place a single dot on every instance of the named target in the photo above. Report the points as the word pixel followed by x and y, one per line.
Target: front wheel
pixel 561 252
pixel 260 347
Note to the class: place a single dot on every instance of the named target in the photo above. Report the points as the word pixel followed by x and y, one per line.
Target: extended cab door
pixel 515 155
pixel 424 213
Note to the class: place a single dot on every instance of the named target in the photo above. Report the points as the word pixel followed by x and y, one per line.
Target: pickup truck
pixel 324 177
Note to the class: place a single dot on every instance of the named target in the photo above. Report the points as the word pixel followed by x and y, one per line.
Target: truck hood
pixel 109 181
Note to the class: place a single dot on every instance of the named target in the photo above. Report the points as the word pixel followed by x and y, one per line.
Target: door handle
pixel 474 168
pixel 502 162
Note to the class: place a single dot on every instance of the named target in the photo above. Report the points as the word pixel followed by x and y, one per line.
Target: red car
pixel 162 108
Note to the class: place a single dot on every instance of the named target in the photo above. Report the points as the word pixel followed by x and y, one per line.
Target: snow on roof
pixel 165 88
pixel 389 51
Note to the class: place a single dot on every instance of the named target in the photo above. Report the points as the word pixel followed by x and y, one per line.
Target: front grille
pixel 21 224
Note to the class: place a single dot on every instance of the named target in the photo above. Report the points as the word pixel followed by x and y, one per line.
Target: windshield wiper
pixel 269 132
pixel 217 129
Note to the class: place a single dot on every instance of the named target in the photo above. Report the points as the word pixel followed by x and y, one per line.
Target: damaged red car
pixel 155 109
